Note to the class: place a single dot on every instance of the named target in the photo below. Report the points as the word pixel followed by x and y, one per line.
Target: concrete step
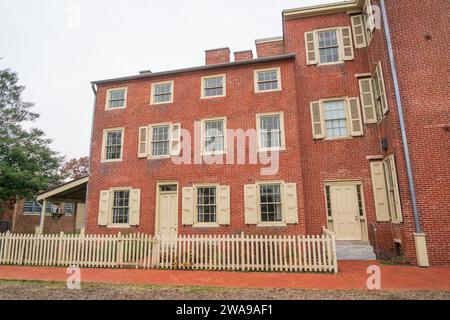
pixel 354 251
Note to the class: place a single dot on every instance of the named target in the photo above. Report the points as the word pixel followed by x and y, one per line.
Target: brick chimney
pixel 243 55
pixel 216 56
pixel 270 47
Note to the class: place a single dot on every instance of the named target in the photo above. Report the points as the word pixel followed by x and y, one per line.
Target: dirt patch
pixel 26 290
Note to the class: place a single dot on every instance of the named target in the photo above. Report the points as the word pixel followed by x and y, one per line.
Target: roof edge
pixel 271 39
pixel 58 189
pixel 321 9
pixel 200 68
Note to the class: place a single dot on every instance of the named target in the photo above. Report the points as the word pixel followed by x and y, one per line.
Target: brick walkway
pixel 352 275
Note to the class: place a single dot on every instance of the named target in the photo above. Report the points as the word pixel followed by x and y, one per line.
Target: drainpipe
pixel 419 236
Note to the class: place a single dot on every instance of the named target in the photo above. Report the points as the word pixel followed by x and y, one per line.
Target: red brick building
pixel 322 98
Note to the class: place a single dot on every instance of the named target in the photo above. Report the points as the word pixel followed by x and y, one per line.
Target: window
pixel 31 207
pixel 121 207
pixel 271 135
pixel 116 98
pixel 162 92
pixel 328 46
pixel 206 205
pixel 214 136
pixel 335 119
pixel 360 200
pixel 270 202
pixel 213 86
pixel 68 209
pixel 113 141
pixel 267 80
pixel 160 141
pixel 328 199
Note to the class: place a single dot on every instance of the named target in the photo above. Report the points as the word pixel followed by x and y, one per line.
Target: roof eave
pixel 200 68
pixel 322 9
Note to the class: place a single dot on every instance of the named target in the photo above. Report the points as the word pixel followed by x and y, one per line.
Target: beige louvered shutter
pixel 224 205
pixel 354 113
pixel 251 204
pixel 290 203
pixel 379 191
pixel 317 121
pixel 347 44
pixel 103 208
pixel 368 101
pixel 398 204
pixel 135 207
pixel 311 49
pixel 382 88
pixel 175 141
pixel 188 206
pixel 143 139
pixel 359 34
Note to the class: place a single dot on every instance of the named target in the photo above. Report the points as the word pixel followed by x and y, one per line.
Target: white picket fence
pixel 222 252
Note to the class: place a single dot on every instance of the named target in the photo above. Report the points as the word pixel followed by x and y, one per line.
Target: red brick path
pixel 352 276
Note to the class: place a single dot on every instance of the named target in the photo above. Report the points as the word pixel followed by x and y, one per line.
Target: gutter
pixel 193 69
pixel 419 236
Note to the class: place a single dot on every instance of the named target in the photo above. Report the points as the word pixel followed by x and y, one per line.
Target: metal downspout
pixel 412 188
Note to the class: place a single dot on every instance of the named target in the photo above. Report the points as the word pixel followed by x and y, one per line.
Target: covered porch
pixel 70 192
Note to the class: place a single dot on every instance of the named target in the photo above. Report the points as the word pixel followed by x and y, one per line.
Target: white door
pixel 168 210
pixel 345 211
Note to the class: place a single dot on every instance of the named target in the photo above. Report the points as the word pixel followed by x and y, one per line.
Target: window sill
pixel 271 224
pixel 271 150
pixel 118 108
pixel 212 97
pixel 111 161
pixel 159 157
pixel 160 103
pixel 118 226
pixel 219 153
pixel 338 138
pixel 267 91
pixel 329 63
pixel 206 225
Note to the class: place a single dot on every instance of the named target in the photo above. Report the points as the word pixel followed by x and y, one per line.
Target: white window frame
pixel 150 140
pixel 260 223
pixel 339 43
pixel 224 86
pixel 205 224
pixel 255 79
pixel 105 134
pixel 258 131
pixel 203 137
pixel 347 118
pixel 108 93
pixel 152 92
pixel 110 209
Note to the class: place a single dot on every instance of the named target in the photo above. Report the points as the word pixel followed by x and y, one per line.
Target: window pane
pixel 162 93
pixel 270 131
pixel 267 80
pixel 160 141
pixel 120 207
pixel 117 98
pixel 335 118
pixel 68 208
pixel 206 205
pixel 214 136
pixel 113 145
pixel 328 46
pixel 270 203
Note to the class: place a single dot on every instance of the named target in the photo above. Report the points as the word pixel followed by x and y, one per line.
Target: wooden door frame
pixel 159 184
pixel 363 219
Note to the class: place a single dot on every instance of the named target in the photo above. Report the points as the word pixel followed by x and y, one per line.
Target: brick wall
pixel 240 106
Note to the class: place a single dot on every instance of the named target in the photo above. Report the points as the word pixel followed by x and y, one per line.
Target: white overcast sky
pixel 57 58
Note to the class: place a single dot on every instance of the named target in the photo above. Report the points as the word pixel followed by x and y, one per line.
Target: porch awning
pixel 71 191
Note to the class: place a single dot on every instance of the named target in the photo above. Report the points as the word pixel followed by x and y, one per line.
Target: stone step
pixel 354 251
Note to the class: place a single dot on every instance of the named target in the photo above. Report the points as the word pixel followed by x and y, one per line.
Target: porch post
pixel 43 212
